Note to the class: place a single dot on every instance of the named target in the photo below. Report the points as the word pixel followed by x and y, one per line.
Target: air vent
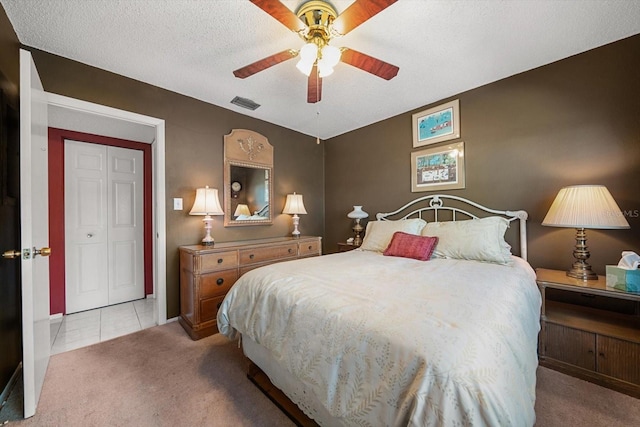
pixel 245 103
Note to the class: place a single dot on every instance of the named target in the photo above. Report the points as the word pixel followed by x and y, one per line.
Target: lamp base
pixel 208 239
pixel 296 221
pixel 581 269
pixel 357 229
pixel 582 272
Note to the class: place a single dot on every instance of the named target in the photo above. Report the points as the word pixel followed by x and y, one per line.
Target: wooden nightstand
pixel 346 247
pixel 590 331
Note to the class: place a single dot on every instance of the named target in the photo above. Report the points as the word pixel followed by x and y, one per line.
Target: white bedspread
pixel 386 341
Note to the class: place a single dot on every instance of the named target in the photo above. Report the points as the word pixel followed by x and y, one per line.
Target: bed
pixel 363 338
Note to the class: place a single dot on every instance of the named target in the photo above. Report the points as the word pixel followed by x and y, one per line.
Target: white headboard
pixel 428 208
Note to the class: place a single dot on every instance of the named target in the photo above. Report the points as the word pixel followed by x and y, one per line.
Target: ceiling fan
pixel 317 23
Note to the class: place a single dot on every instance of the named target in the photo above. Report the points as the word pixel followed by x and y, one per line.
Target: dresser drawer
pixel 218 261
pixel 217 283
pixel 309 248
pixel 209 308
pixel 259 255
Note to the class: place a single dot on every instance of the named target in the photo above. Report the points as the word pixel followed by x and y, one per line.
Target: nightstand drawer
pixel 571 346
pixel 619 359
pixel 218 261
pixel 258 255
pixel 218 283
pixel 309 248
pixel 209 308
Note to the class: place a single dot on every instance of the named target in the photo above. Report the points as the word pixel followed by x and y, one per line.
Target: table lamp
pixel 581 207
pixel 207 204
pixel 294 206
pixel 357 213
pixel 242 209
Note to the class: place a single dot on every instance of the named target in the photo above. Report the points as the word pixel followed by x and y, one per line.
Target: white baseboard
pixel 56 316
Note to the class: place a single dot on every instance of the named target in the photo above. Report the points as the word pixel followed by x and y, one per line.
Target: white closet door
pixel 85 226
pixel 125 218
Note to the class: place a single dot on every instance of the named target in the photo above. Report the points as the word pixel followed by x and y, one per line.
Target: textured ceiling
pixel 442 48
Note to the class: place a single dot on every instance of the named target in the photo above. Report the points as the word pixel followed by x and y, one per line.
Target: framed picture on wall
pixel 436 124
pixel 438 168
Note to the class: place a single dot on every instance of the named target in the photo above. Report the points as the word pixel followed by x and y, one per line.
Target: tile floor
pixel 93 326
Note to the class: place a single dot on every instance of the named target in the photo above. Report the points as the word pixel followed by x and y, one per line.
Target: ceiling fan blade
pixel 282 13
pixel 359 12
pixel 264 63
pixel 314 87
pixel 369 64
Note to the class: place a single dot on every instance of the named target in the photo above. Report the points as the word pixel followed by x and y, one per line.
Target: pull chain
pixel 317 127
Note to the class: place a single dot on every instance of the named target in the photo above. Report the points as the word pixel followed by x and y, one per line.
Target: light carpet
pixel 160 377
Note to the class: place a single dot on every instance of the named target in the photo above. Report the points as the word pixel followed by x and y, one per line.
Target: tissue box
pixel 623 280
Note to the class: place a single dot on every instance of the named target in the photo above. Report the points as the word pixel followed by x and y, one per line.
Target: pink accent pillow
pixel 411 246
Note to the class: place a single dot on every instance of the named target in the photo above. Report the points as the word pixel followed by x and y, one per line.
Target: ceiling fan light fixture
pixel 316 22
pixel 305 67
pixel 324 69
pixel 309 52
pixel 331 55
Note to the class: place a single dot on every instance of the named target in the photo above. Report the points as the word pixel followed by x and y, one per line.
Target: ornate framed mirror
pixel 248 179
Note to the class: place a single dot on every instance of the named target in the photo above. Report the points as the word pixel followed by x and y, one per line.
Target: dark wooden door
pixel 10 300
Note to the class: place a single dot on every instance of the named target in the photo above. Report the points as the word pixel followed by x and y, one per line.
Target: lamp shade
pixel 585 206
pixel 357 213
pixel 324 70
pixel 294 205
pixel 304 67
pixel 242 209
pixel 331 55
pixel 309 52
pixel 207 202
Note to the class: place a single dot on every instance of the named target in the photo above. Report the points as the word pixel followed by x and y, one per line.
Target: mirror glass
pixel 248 179
pixel 249 193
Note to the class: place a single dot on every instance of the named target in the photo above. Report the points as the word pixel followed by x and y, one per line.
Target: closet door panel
pixel 125 219
pixel 85 226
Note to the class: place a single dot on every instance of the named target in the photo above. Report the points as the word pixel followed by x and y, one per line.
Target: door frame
pixel 158 185
pixel 57 233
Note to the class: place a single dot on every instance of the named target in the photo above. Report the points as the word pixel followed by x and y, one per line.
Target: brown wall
pixel 194 154
pixel 9 56
pixel 576 121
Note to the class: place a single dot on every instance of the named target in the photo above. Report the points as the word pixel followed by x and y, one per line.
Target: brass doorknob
pixel 42 252
pixel 11 254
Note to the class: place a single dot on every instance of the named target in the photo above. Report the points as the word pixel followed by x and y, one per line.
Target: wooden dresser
pixel 208 272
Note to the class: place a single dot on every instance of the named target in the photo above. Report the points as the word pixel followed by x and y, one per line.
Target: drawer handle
pixel 601 354
pixel 310 247
pixel 220 260
pixel 251 256
pixel 220 281
pixel 290 250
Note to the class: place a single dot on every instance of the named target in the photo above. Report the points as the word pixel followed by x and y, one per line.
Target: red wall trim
pixel 56 209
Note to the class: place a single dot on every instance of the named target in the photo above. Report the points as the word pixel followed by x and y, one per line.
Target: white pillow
pixel 475 239
pixel 379 233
